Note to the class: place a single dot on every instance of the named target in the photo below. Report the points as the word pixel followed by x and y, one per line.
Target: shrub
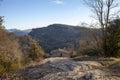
pixel 90 52
pixel 73 54
pixel 36 52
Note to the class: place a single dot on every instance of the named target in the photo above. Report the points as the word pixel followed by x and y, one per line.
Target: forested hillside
pixel 60 36
pixel 17 51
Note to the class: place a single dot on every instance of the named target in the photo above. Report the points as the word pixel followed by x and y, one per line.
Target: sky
pixel 27 14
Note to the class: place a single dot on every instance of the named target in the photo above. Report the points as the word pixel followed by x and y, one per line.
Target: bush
pixel 91 52
pixel 8 63
pixel 73 54
pixel 36 52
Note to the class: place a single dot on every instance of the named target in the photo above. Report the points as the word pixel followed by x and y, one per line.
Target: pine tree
pixel 36 52
pixel 113 38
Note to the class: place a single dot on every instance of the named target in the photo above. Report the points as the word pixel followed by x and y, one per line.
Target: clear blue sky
pixel 25 14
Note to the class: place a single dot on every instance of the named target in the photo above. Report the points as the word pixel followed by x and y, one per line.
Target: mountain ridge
pixel 19 32
pixel 56 36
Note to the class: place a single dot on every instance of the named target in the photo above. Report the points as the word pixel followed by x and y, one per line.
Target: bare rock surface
pixel 67 69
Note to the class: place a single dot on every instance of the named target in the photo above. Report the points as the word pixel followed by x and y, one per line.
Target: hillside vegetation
pixel 60 36
pixel 16 51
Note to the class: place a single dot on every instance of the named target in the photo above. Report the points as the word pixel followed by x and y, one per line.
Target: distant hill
pixel 58 35
pixel 19 32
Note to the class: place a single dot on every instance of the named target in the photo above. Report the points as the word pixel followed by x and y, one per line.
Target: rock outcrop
pixel 67 69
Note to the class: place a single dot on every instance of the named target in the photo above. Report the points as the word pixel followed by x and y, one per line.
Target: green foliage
pixel 1 22
pixel 36 52
pixel 113 39
pixel 108 48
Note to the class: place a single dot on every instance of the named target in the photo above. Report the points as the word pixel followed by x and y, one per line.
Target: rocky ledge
pixel 68 69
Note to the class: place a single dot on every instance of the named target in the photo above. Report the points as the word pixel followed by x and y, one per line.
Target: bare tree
pixel 103 10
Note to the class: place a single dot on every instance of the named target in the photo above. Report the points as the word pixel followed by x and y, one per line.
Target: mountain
pixel 19 32
pixel 58 35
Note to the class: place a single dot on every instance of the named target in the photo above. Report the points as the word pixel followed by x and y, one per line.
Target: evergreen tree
pixel 1 22
pixel 113 39
pixel 36 52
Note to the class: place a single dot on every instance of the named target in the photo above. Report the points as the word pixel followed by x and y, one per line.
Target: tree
pixel 113 38
pixel 36 51
pixel 10 54
pixel 1 22
pixel 103 11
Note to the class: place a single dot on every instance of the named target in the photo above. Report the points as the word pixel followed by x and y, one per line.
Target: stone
pixel 67 69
